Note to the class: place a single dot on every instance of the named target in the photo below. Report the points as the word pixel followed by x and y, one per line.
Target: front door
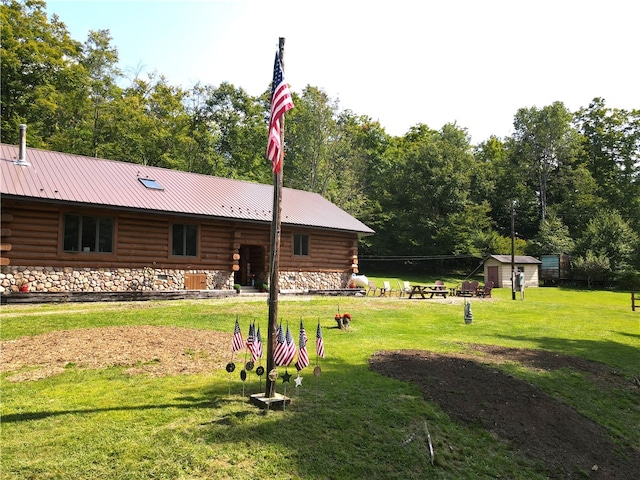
pixel 252 269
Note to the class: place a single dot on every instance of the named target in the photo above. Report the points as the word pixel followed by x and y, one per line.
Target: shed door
pixel 492 276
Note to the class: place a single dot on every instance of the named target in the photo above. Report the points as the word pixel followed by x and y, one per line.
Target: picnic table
pixel 430 290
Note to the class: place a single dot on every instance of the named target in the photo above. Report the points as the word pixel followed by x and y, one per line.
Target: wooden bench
pixel 434 291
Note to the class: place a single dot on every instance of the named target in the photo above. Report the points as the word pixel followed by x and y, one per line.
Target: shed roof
pixel 62 177
pixel 520 259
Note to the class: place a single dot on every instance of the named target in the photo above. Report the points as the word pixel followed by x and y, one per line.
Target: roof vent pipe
pixel 22 158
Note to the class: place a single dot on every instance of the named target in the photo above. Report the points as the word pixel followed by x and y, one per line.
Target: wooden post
pixel 633 301
pixel 274 264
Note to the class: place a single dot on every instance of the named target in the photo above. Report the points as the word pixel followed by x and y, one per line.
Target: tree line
pixel 572 179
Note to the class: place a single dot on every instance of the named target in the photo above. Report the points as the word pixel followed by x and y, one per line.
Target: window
pixel 84 233
pixel 184 240
pixel 150 183
pixel 301 244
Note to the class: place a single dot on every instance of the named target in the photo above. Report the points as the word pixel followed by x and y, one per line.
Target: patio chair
pixel 485 292
pixel 404 288
pixel 467 289
pixel 372 288
pixel 386 290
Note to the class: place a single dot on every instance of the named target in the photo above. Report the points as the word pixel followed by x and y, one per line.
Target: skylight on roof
pixel 150 183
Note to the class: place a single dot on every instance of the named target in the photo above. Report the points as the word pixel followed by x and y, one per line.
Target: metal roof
pixel 517 259
pixel 62 177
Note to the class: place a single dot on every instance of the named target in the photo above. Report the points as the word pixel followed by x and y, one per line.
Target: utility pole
pixel 513 248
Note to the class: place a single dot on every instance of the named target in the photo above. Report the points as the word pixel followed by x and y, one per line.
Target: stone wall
pixel 313 280
pixel 68 279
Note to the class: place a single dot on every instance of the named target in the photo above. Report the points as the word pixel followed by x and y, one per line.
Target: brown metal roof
pixel 517 259
pixel 54 176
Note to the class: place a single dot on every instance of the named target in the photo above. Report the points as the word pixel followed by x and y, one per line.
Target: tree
pixel 611 152
pixel 553 238
pixel 545 146
pixel 240 125
pixel 39 68
pixel 311 130
pixel 593 266
pixel 609 236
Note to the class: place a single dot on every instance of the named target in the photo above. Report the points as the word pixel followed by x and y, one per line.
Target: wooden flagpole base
pixel 277 402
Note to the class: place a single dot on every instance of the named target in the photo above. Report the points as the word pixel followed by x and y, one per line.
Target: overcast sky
pixel 400 62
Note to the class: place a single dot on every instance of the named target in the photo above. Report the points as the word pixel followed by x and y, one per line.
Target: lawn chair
pixel 404 288
pixel 467 289
pixel 485 292
pixel 386 290
pixel 372 288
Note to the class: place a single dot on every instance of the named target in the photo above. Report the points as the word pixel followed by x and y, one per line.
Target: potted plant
pixel 237 287
pixel 264 287
pixel 22 284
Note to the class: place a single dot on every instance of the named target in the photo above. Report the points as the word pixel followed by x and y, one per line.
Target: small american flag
pixel 238 343
pixel 291 347
pixel 258 344
pixel 280 350
pixel 281 103
pixel 252 344
pixel 303 356
pixel 319 342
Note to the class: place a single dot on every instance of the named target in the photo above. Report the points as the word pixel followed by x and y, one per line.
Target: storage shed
pixel 497 269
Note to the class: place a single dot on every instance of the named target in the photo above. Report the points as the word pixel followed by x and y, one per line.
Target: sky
pixel 400 62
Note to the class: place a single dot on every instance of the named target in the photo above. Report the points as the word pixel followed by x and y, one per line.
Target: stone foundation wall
pixel 68 279
pixel 313 280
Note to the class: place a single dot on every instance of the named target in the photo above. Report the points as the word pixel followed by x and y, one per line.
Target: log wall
pixel 32 234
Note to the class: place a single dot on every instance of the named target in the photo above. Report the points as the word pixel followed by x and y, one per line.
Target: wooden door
pixel 492 276
pixel 195 281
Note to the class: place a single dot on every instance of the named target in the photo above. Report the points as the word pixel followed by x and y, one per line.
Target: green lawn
pixel 348 423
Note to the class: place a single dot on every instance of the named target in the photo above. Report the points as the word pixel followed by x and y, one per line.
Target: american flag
pixel 303 356
pixel 252 344
pixel 258 344
pixel 281 102
pixel 238 344
pixel 291 347
pixel 319 342
pixel 280 350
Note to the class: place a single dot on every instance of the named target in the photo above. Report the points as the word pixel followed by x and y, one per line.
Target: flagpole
pixel 274 277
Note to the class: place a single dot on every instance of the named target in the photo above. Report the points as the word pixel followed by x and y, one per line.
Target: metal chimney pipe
pixel 22 158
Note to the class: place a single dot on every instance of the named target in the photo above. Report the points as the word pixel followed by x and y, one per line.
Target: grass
pixel 347 423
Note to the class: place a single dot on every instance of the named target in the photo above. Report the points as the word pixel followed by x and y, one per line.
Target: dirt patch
pixel 529 420
pixel 155 351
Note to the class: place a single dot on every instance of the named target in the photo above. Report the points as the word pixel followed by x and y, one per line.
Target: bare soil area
pixel 154 351
pixel 533 423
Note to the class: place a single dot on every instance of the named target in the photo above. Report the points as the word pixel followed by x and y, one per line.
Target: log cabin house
pixel 71 223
